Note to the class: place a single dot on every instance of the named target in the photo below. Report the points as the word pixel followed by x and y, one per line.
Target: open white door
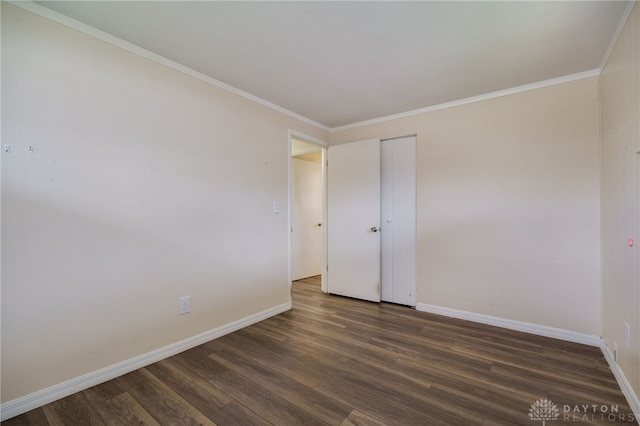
pixel 306 216
pixel 353 215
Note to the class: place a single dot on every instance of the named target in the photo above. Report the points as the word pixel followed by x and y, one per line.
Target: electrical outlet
pixel 627 335
pixel 185 305
pixel 615 352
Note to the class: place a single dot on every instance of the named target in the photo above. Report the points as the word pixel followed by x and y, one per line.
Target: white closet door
pixel 353 215
pixel 386 218
pixel 398 216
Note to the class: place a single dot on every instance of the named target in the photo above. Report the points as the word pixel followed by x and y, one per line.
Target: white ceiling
pixel 338 63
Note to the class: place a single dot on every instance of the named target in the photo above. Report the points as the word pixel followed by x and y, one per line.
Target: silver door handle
pixel 374 229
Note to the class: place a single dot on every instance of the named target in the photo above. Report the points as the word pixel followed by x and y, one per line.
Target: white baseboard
pixel 628 392
pixel 540 330
pixel 45 396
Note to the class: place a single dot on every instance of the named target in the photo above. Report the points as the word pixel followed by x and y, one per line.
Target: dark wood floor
pixel 338 361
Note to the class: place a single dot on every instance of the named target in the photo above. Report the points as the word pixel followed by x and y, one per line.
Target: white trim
pixel 123 44
pixel 325 231
pixel 627 390
pixel 306 138
pixel 101 35
pixel 539 330
pixel 492 95
pixel 323 145
pixel 45 396
pixel 616 34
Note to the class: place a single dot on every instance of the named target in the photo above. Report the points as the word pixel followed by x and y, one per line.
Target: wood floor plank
pixel 381 403
pixel 395 379
pixel 115 406
pixel 236 414
pixel 52 417
pixel 73 410
pixel 263 402
pixel 120 410
pixel 333 360
pixel 328 409
pixel 346 340
pixel 356 418
pixel 162 402
pixel 192 388
pixel 506 412
pixel 581 385
pixel 481 382
pixel 197 360
pixel 560 369
pixel 106 391
pixel 279 358
pixel 33 417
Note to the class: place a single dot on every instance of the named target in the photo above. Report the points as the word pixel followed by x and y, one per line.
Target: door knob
pixel 374 229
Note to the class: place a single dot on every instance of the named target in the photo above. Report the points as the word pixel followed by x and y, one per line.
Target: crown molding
pixel 616 34
pixel 103 36
pixel 486 96
pixel 130 47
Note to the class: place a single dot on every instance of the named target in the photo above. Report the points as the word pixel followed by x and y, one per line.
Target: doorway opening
pixel 307 208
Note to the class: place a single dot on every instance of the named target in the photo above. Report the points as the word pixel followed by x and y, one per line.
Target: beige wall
pixel 508 205
pixel 145 185
pixel 620 115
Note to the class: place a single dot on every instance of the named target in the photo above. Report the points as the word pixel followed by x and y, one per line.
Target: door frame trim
pixel 323 145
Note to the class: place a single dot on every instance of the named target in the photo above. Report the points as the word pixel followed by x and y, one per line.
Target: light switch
pixel 276 207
